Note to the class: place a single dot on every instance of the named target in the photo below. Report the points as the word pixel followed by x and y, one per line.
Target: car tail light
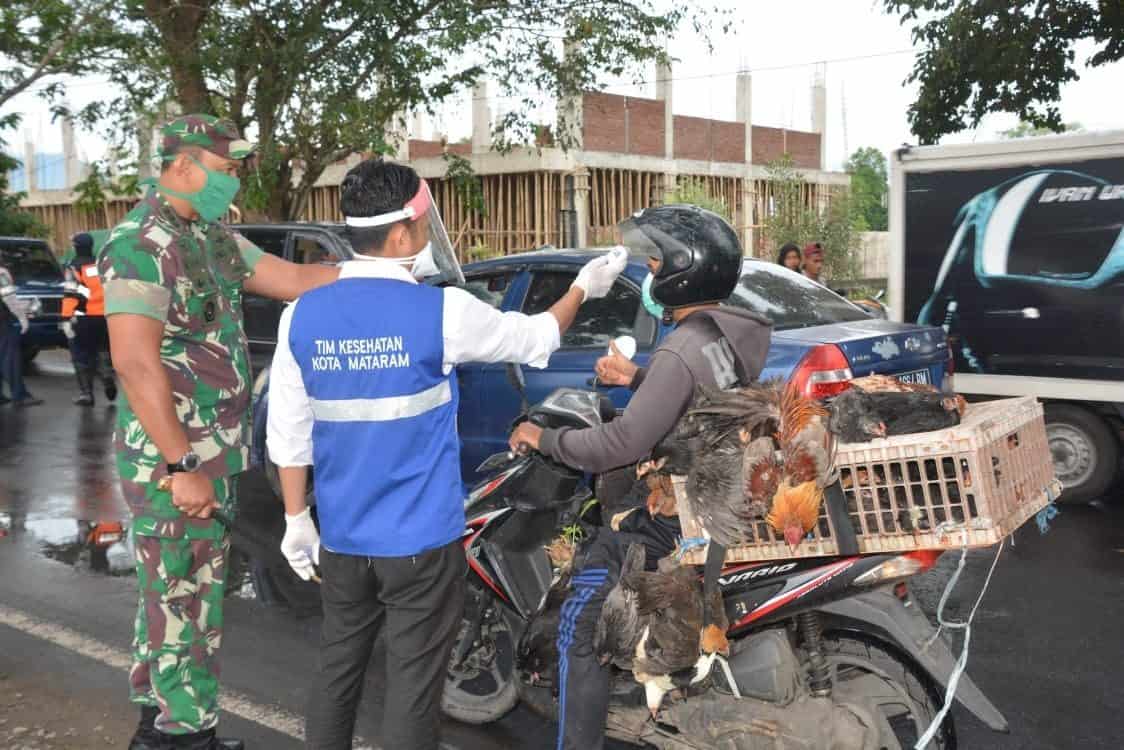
pixel 823 373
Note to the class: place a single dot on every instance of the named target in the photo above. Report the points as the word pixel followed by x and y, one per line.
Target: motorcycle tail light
pixel 894 569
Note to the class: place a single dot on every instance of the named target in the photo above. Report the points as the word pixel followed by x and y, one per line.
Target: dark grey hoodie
pixel 716 347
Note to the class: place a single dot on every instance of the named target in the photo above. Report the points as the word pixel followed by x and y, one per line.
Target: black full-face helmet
pixel 701 258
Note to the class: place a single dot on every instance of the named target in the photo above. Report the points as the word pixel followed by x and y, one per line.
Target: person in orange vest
pixel 84 310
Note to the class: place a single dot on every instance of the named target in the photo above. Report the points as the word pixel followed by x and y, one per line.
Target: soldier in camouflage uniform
pixel 173 279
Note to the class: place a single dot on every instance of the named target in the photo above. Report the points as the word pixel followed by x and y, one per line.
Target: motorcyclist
pixel 696 260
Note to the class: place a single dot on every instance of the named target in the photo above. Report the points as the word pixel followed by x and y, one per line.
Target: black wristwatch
pixel 189 463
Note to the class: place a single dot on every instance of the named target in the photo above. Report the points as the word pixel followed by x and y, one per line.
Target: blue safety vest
pixel 385 448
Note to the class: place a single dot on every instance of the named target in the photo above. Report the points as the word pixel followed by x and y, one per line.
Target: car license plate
pixel 917 377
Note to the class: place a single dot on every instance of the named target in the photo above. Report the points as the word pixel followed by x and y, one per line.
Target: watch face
pixel 190 462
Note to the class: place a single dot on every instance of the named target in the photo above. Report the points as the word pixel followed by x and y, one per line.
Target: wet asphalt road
pixel 1047 645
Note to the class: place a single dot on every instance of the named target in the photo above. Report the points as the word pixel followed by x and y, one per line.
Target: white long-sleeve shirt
pixel 473 331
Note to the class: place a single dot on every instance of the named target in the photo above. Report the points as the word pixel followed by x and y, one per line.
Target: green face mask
pixel 215 197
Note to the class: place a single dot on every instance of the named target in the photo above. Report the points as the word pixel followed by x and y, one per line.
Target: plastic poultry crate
pixel 970 485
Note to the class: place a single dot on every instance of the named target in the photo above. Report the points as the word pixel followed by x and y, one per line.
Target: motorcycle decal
pixel 755 572
pixel 475 528
pixel 784 598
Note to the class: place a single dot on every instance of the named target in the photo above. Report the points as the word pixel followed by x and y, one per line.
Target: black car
pixel 38 279
pixel 296 242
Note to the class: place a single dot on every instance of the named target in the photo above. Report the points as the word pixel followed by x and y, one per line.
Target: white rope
pixel 966 626
pixel 729 676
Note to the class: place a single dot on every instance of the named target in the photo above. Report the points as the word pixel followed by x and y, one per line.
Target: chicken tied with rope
pixel 587 610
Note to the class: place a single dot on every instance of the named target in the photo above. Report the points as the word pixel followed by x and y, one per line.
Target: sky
pixel 864 54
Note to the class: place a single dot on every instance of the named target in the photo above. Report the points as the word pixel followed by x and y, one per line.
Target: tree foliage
pixel 317 80
pixel 42 39
pixel 982 56
pixel 870 184
pixel 1026 130
pixel 791 219
pixel 694 191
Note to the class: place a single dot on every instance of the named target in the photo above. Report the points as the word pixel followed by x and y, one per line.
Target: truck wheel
pixel 1085 453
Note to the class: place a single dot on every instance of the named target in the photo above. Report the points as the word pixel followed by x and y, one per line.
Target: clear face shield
pixel 437 258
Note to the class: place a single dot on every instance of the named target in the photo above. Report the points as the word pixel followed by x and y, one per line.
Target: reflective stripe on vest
pixel 382 409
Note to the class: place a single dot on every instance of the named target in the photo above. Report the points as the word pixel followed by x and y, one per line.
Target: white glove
pixel 24 324
pixel 67 328
pixel 301 544
pixel 598 275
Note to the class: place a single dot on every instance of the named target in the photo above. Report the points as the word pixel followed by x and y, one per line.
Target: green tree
pixel 791 219
pixel 42 39
pixel 1026 130
pixel 693 190
pixel 316 80
pixel 982 56
pixel 870 185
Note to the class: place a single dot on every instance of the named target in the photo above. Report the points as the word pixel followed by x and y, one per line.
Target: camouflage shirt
pixel 189 276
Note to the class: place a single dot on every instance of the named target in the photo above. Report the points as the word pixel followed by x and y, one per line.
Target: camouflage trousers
pixel 181 580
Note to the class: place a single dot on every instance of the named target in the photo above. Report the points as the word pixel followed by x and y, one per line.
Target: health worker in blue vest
pixel 363 388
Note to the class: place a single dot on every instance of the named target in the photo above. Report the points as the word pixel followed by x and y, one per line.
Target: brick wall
pixel 622 124
pixel 769 144
pixel 628 125
pixel 430 149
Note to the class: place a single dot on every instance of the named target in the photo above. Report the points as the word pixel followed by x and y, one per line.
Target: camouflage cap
pixel 220 137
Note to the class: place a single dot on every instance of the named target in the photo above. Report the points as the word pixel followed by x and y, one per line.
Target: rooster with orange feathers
pixel 762 451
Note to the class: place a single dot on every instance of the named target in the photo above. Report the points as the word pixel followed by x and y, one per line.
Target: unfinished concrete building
pixel 629 153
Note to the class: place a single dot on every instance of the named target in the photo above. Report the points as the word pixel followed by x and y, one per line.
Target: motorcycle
pixel 824 652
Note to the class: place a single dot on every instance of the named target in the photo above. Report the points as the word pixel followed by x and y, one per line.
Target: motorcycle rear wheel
pixel 483 688
pixel 910 700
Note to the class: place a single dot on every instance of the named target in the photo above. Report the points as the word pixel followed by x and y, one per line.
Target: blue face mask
pixel 655 308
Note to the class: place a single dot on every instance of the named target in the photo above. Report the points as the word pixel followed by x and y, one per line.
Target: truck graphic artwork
pixel 1016 249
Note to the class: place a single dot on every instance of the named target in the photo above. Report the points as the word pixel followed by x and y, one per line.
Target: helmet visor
pixel 673 254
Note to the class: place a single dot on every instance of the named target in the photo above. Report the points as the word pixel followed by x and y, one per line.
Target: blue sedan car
pixel 820 341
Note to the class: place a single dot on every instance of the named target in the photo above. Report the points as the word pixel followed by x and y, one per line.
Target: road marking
pixel 271 717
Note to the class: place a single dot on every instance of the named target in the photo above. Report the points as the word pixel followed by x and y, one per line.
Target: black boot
pixel 110 386
pixel 203 741
pixel 85 387
pixel 146 736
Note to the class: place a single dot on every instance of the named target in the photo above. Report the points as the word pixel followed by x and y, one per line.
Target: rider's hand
pixel 525 437
pixel 614 368
pixel 193 494
pixel 598 275
pixel 615 521
pixel 301 544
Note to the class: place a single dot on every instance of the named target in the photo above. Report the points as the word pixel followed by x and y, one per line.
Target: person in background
pixel 813 262
pixel 13 324
pixel 85 329
pixel 789 256
pixel 381 430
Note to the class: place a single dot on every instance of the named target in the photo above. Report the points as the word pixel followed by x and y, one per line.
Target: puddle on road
pixel 102 547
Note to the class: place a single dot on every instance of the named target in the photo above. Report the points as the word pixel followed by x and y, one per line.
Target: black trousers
pixel 415 604
pixel 583 701
pixel 91 341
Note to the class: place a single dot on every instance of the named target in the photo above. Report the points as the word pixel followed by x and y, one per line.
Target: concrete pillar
pixel 71 166
pixel 581 206
pixel 570 117
pixel 400 138
pixel 31 183
pixel 819 113
pixel 417 125
pixel 481 119
pixel 664 93
pixel 748 191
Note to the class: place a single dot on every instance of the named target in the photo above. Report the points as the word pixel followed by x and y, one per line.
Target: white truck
pixel 1016 248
